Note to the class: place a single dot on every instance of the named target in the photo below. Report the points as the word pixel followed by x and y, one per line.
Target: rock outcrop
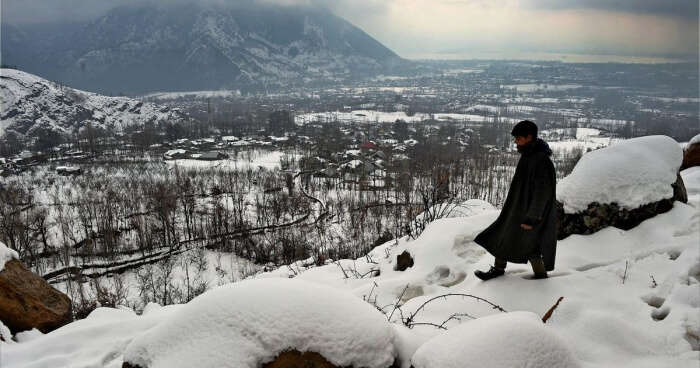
pixel 598 216
pixel 691 155
pixel 404 261
pixel 621 186
pixel 294 358
pixel 27 301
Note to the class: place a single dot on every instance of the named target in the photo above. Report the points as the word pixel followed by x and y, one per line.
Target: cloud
pixel 419 27
pixel 677 8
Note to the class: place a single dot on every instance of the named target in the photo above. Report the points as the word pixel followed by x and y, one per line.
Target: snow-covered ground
pixel 193 95
pixel 252 159
pixel 631 299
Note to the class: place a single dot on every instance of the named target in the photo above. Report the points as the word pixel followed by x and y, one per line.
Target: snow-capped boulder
pixel 691 155
pixel 6 254
pixel 621 185
pixel 250 323
pixel 508 340
pixel 27 301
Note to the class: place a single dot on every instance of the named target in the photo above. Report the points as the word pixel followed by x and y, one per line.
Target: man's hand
pixel 526 226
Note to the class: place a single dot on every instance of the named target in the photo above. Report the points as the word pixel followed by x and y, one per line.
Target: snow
pixel 97 341
pixel 162 96
pixel 605 321
pixel 631 299
pixel 249 323
pixel 6 254
pixel 630 173
pixel 694 140
pixel 5 335
pixel 517 339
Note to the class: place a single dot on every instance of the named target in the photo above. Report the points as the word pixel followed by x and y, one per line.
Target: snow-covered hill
pixel 630 299
pixel 32 106
pixel 196 46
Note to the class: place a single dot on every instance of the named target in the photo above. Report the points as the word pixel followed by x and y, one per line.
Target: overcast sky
pixel 464 28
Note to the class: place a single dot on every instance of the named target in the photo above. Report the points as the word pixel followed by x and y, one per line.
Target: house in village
pixel 212 156
pixel 175 154
pixel 7 167
pixel 68 170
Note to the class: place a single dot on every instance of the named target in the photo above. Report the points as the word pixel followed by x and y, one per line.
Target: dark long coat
pixel 531 200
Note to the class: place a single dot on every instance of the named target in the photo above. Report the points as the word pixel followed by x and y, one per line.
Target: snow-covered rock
pixel 631 173
pixel 516 339
pixel 249 323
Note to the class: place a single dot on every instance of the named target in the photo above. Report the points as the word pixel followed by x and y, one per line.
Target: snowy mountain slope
pixel 631 298
pixel 32 106
pixel 198 46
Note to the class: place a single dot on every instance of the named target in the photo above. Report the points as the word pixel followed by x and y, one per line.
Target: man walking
pixel 526 229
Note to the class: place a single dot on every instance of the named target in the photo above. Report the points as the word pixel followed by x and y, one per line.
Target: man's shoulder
pixel 542 158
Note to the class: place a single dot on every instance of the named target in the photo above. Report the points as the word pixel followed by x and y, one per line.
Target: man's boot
pixel 538 268
pixel 490 274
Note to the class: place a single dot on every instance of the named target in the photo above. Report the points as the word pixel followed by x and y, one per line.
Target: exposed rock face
pixel 598 216
pixel 27 301
pixel 294 359
pixel 691 156
pixel 404 261
pixel 679 192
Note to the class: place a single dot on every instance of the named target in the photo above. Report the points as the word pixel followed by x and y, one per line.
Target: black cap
pixel 524 128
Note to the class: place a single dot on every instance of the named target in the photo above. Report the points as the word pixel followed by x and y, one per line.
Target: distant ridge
pixel 32 107
pixel 148 48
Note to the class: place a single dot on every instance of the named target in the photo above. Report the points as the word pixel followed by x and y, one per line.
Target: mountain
pixel 34 107
pixel 184 47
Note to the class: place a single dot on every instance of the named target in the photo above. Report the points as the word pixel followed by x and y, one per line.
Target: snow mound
pixel 6 254
pixel 516 339
pixel 630 173
pixel 249 323
pixel 694 140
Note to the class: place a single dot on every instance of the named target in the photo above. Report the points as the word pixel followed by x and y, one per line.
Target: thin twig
pixel 408 322
pixel 551 310
pixel 396 305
